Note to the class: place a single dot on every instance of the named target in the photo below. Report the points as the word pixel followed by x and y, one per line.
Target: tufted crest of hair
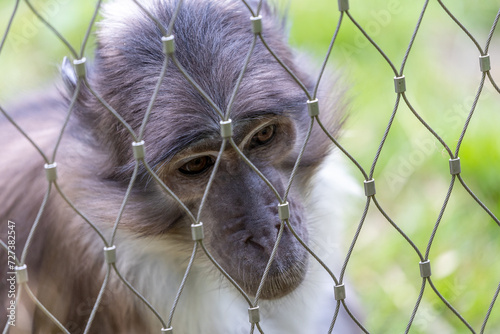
pixel 129 59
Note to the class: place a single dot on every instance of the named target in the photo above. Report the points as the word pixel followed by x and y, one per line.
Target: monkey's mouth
pixel 284 276
pixel 247 265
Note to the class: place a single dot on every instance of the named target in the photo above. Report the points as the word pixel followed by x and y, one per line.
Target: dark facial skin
pixel 241 212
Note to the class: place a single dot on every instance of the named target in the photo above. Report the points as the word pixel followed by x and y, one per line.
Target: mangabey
pixel 182 139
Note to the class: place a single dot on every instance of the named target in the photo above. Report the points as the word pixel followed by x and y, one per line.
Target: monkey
pixel 182 145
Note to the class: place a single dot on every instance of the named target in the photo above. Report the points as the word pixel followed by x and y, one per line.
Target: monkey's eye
pixel 264 136
pixel 197 165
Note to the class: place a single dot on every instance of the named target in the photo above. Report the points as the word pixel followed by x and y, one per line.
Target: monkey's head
pixel 182 136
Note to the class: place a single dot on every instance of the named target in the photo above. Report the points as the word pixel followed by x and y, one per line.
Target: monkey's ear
pixel 68 75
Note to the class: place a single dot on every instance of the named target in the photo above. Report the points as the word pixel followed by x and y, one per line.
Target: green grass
pixel 412 173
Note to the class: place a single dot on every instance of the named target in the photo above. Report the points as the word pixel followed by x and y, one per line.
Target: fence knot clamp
pixel 339 291
pixel 400 84
pixel 284 211
pixel 197 231
pixel 110 254
pixel 253 315
pixel 167 330
pixel 226 129
pixel 425 269
pixel 168 44
pixel 313 107
pixel 369 187
pixel 51 171
pixel 343 5
pixel 79 65
pixel 21 274
pixel 455 167
pixel 138 148
pixel 484 63
pixel 256 24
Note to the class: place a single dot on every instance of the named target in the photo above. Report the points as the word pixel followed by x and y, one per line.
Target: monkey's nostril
pixel 250 241
pixel 278 227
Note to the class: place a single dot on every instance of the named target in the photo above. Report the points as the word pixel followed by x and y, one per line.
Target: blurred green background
pixel 412 175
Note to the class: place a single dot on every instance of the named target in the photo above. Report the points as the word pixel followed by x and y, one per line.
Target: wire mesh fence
pixel 436 306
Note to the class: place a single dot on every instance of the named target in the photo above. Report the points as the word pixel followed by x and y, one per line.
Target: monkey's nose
pixel 278 227
pixel 263 242
pixel 251 242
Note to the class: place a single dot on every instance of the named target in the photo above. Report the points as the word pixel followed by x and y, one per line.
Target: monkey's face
pixel 182 135
pixel 241 211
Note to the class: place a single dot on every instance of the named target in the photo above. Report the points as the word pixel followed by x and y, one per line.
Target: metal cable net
pixel 451 148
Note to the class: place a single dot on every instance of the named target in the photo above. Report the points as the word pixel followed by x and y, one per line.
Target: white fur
pixel 209 304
